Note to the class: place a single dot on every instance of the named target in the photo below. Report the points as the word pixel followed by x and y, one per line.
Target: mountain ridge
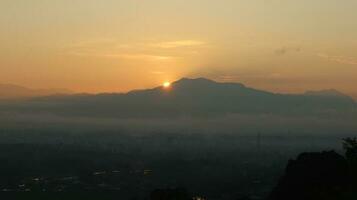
pixel 22 91
pixel 188 97
pixel 12 91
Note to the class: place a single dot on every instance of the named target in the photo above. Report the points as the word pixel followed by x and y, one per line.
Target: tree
pixel 350 147
pixel 170 194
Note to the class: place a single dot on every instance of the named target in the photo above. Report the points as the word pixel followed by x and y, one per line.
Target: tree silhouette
pixel 320 175
pixel 350 147
pixel 170 194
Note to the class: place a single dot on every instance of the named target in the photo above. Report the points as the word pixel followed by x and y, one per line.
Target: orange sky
pixel 119 45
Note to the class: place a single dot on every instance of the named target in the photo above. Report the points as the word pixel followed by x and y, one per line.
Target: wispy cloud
pixel 178 43
pixel 339 59
pixel 111 48
pixel 140 56
pixel 158 72
pixel 131 56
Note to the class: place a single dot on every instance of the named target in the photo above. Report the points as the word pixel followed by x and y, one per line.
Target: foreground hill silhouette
pixel 187 97
pixel 324 175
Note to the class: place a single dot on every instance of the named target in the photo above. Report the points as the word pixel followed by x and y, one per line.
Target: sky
pixel 118 45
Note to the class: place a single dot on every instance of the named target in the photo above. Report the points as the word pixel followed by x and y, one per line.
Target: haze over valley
pixel 178 100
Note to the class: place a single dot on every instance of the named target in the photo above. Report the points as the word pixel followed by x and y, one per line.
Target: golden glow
pixel 166 84
pixel 120 45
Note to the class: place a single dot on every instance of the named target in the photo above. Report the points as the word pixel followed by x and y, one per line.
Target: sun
pixel 166 84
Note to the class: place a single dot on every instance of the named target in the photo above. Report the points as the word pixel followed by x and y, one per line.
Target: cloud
pixel 111 48
pixel 132 56
pixel 339 59
pixel 140 56
pixel 157 72
pixel 285 50
pixel 178 43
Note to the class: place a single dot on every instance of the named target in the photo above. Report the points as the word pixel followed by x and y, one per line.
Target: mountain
pixel 9 91
pixel 188 97
pixel 329 92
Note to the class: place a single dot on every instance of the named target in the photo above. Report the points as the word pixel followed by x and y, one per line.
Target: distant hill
pixel 10 91
pixel 190 97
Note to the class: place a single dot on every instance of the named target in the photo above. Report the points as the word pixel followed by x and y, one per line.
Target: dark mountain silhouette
pixel 329 92
pixel 10 91
pixel 200 97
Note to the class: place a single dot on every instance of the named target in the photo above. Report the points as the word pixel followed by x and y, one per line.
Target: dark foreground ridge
pixel 326 175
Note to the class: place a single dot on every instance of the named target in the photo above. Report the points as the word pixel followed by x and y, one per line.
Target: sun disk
pixel 166 84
